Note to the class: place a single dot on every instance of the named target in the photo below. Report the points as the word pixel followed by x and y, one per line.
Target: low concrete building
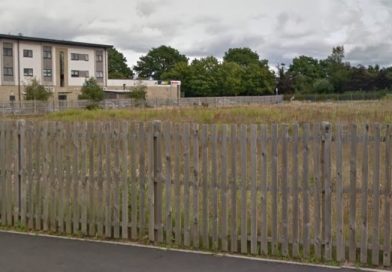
pixel 61 66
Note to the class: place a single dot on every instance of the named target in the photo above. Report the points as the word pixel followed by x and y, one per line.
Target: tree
pixel 36 91
pixel 257 80
pixel 242 56
pixel 304 71
pixel 91 90
pixel 118 68
pixel 323 85
pixel 158 61
pixel 284 81
pixel 138 92
pixel 230 79
pixel 203 79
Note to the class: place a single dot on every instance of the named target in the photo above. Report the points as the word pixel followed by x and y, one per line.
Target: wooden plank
pixel 116 180
pixel 364 197
pixel 107 189
pixel 204 184
pixel 327 192
pixel 3 174
pixel 263 187
pixel 243 163
pixel 83 178
pixel 376 196
pixel 68 179
pixel 60 177
pixel 168 180
pixel 100 179
pixel 142 179
pixel 305 191
pixel 125 158
pixel 9 174
pixel 186 158
pixel 92 201
pixel 214 184
pixel 38 176
pixel 22 172
pixel 45 175
pixel 150 154
pixel 353 197
pixel 29 174
pixel 15 186
pixel 295 192
pixel 54 193
pixel 253 187
pixel 177 185
pixel 387 199
pixel 274 189
pixel 224 190
pixel 75 180
pixel 340 238
pixel 233 188
pixel 317 194
pixel 284 184
pixel 195 228
pixel 158 179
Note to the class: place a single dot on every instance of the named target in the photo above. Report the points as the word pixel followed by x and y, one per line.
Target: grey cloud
pixel 378 54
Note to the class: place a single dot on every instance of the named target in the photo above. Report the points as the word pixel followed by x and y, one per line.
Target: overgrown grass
pixel 293 112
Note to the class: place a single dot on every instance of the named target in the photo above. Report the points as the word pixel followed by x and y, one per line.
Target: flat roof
pixel 45 40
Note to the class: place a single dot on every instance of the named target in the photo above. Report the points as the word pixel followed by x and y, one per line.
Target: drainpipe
pixel 19 92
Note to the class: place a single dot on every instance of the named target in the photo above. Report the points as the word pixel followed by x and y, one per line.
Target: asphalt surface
pixel 19 253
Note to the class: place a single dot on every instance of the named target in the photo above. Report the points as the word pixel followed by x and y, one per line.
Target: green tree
pixel 230 79
pixel 304 71
pixel 258 80
pixel 91 90
pixel 242 56
pixel 158 61
pixel 138 92
pixel 323 85
pixel 36 91
pixel 203 80
pixel 118 68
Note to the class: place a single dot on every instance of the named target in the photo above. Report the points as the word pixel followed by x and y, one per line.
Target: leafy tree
pixel 242 56
pixel 158 61
pixel 203 79
pixel 323 85
pixel 36 91
pixel 304 71
pixel 118 68
pixel 91 90
pixel 258 80
pixel 284 81
pixel 138 92
pixel 229 77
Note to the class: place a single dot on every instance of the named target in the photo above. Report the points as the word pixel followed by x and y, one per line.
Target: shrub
pixel 36 91
pixel 92 91
pixel 323 86
pixel 138 92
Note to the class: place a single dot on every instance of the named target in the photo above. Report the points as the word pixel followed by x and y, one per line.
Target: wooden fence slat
pixel 158 180
pixel 38 175
pixel 305 191
pixel 187 210
pixel 150 188
pixel 60 175
pixel 15 189
pixel 364 198
pixel 68 179
pixel 83 178
pixel 116 181
pixel 204 158
pixel 353 181
pixel 295 192
pixel 224 190
pixel 45 173
pixel 92 136
pixel 274 189
pixel 243 156
pixel 3 184
pixel 263 187
pixel 214 186
pixel 195 182
pixel 387 199
pixel 317 194
pixel 177 185
pixel 284 184
pixel 124 164
pixel 168 190
pixel 327 192
pixel 376 197
pixel 253 179
pixel 22 172
pixel 340 238
pixel 29 175
pixel 107 189
pixel 233 188
pixel 142 178
pixel 100 180
pixel 53 178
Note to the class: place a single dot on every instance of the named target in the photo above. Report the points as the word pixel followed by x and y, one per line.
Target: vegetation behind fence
pixel 311 191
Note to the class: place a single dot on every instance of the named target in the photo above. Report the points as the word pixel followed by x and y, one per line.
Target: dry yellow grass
pixel 293 112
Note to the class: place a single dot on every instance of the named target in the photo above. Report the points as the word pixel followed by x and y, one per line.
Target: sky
pixel 278 30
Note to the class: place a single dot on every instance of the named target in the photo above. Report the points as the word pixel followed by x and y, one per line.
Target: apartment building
pixel 61 66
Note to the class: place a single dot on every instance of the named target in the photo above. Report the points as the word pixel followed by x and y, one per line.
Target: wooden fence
pixel 313 191
pixel 41 107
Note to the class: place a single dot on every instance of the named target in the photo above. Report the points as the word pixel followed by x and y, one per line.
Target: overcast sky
pixel 277 29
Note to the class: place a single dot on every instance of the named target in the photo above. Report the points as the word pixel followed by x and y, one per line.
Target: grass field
pixel 290 112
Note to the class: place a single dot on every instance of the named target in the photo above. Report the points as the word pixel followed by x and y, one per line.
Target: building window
pixel 62 97
pixel 74 73
pixel 75 56
pixel 99 74
pixel 27 53
pixel 99 58
pixel 47 53
pixel 47 72
pixel 8 71
pixel 28 72
pixel 7 52
pixel 12 97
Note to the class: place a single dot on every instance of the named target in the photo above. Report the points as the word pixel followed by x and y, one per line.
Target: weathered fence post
pixel 20 148
pixel 327 201
pixel 157 181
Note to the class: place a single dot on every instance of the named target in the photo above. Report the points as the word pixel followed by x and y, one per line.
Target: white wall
pixel 35 62
pixel 80 65
pixel 130 82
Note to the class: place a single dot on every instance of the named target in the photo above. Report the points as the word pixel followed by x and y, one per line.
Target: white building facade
pixel 61 66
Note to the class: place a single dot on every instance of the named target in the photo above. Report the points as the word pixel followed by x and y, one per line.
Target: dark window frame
pixel 8 52
pixel 8 71
pixel 47 53
pixel 99 58
pixel 75 73
pixel 77 57
pixel 98 73
pixel 26 72
pixel 47 72
pixel 27 53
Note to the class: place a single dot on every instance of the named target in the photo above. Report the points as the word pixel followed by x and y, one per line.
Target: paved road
pixel 19 253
